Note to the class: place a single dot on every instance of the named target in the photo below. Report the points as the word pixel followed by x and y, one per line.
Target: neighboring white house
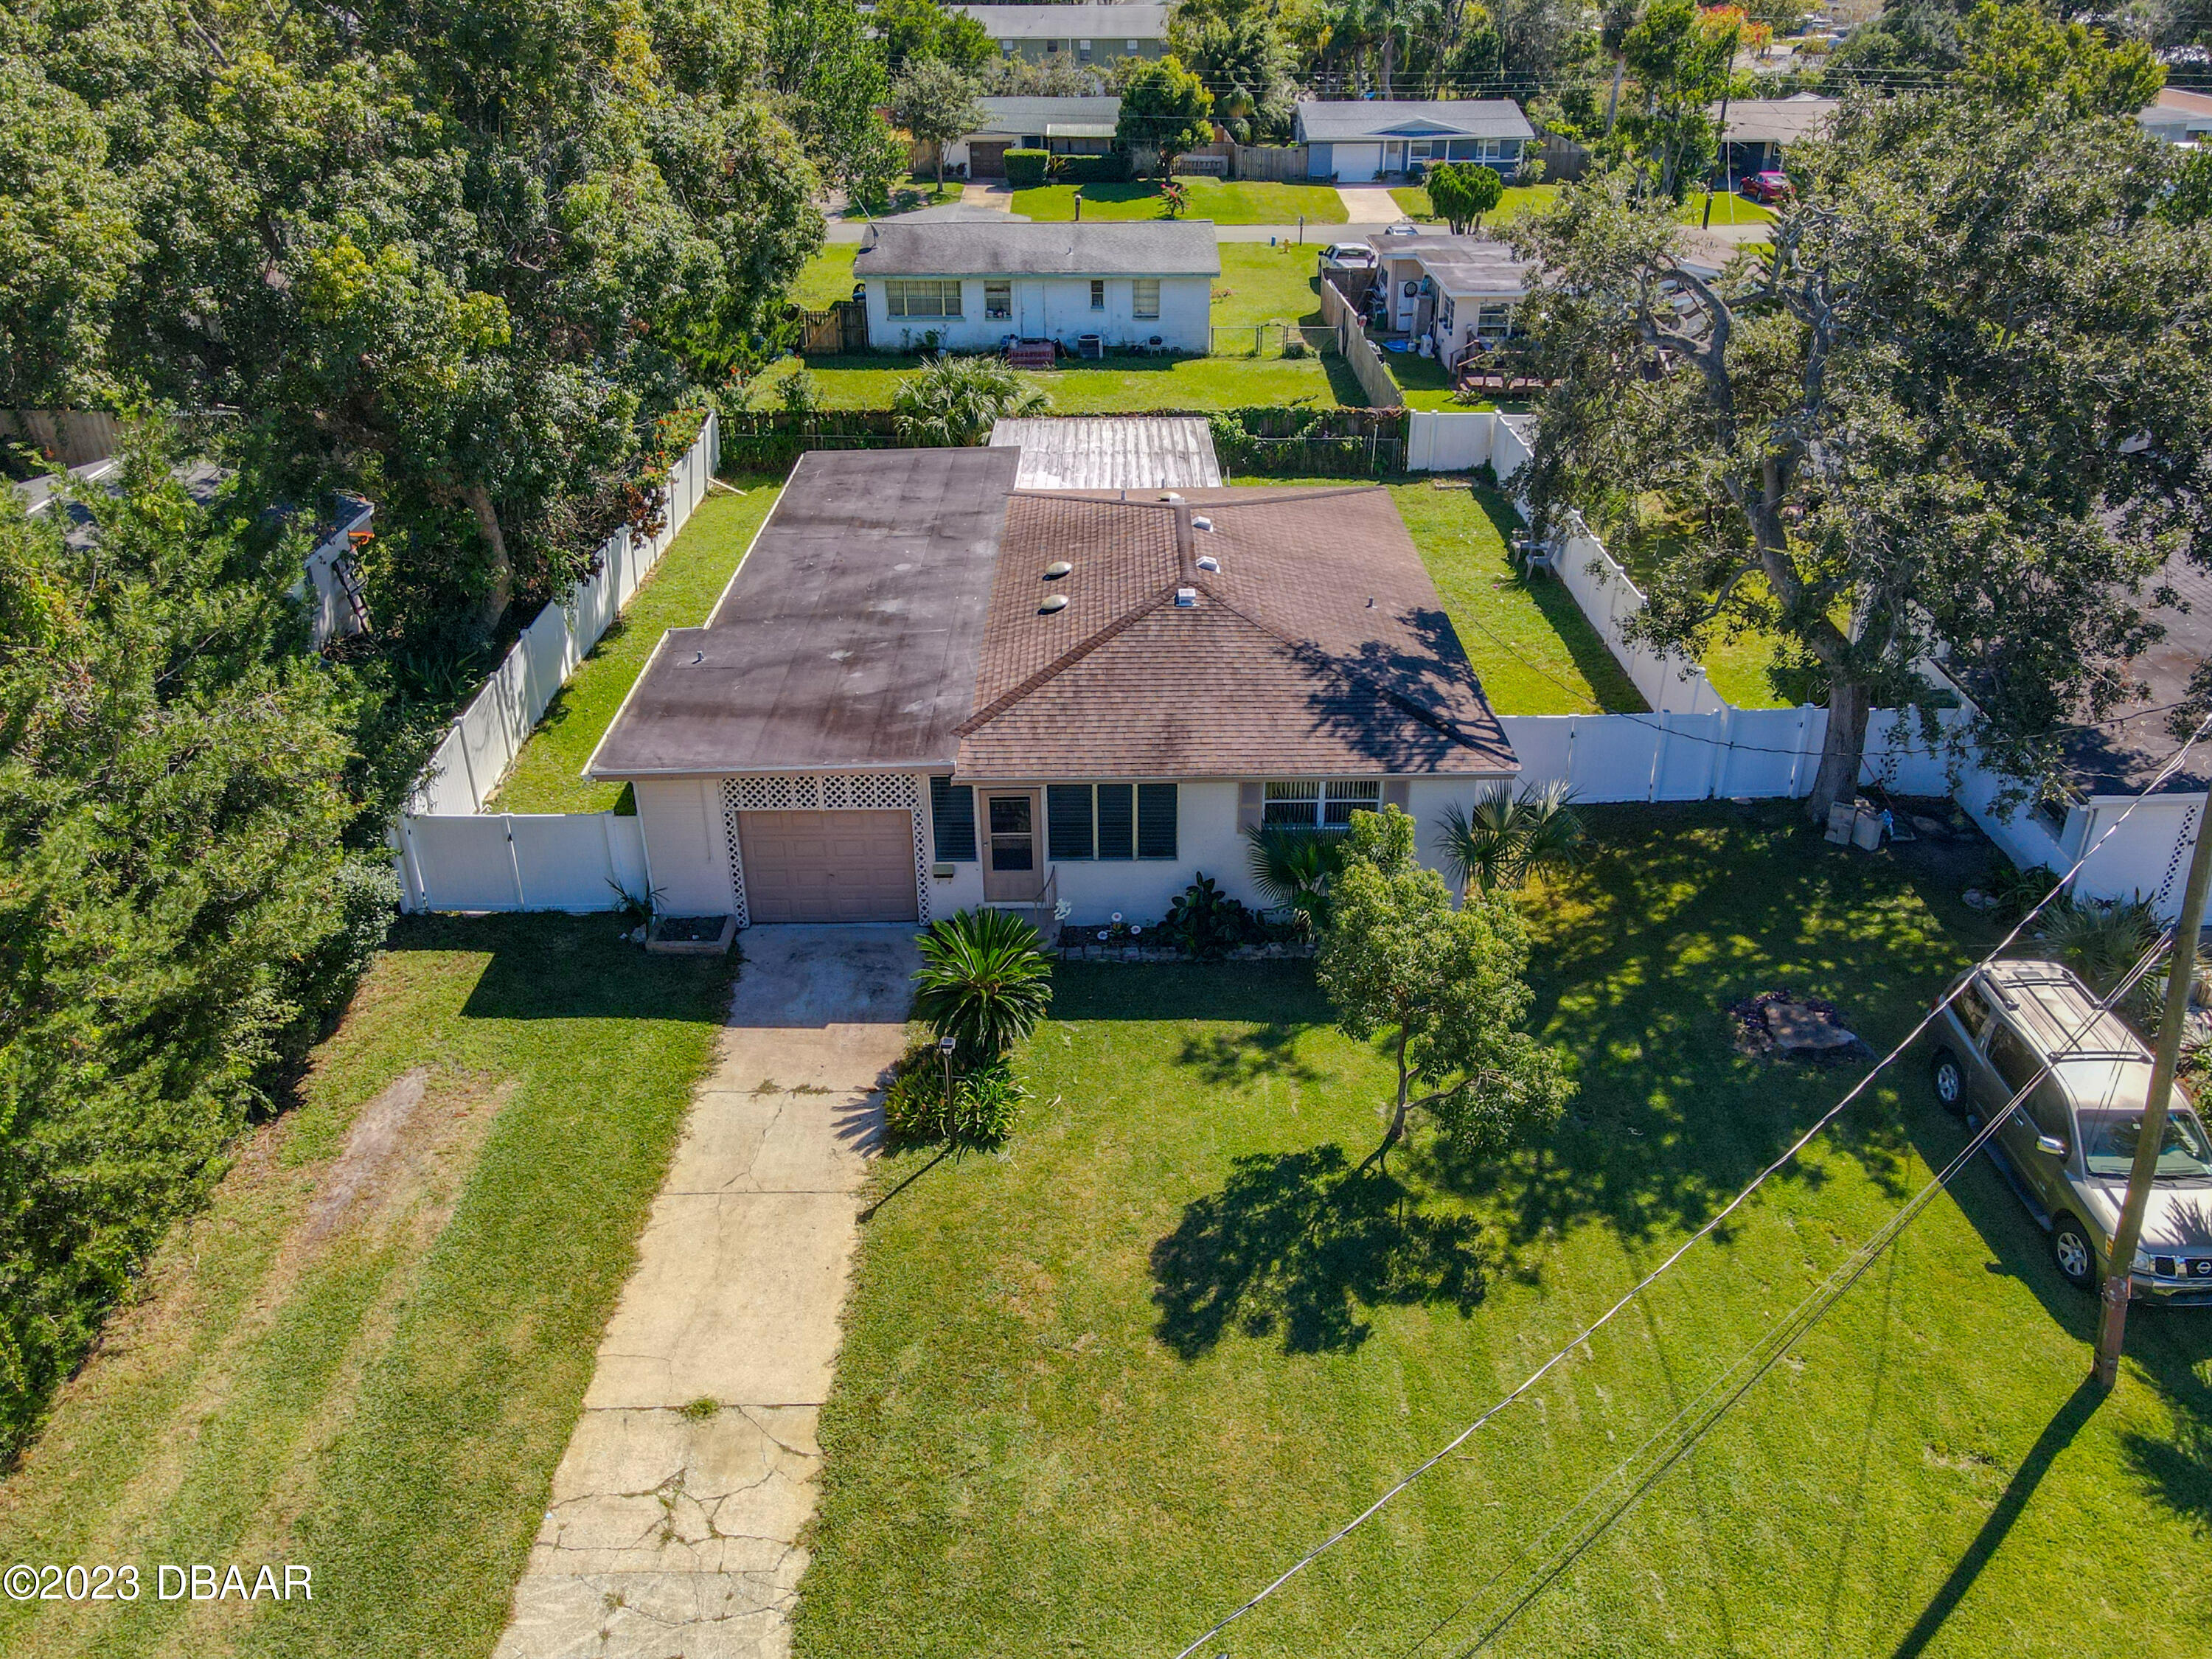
pixel 2180 118
pixel 975 286
pixel 1065 126
pixel 1369 138
pixel 1088 34
pixel 1454 289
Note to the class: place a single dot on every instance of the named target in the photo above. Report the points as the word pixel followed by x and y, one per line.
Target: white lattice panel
pixel 730 804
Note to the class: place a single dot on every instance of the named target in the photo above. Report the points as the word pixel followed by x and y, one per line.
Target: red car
pixel 1767 186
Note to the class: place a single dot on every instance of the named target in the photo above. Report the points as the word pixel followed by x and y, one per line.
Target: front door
pixel 1012 870
pixel 1032 310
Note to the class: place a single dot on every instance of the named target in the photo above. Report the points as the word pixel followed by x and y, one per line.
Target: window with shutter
pixel 1156 820
pixel 1117 821
pixel 952 819
pixel 1067 816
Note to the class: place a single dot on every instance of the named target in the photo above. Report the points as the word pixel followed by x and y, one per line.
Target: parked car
pixel 2068 1146
pixel 1772 186
pixel 1403 228
pixel 1349 253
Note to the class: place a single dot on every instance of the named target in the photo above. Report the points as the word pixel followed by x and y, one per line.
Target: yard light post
pixel 2181 969
pixel 944 1047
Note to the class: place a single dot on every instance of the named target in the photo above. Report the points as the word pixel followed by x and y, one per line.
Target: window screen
pixel 922 299
pixel 1067 814
pixel 1293 803
pixel 1144 297
pixel 1099 293
pixel 1117 821
pixel 1493 321
pixel 1156 820
pixel 1341 801
pixel 952 815
pixel 998 300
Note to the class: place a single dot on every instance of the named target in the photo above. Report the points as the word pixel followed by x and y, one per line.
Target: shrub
pixel 956 401
pixel 364 895
pixel 1292 866
pixel 2101 940
pixel 800 394
pixel 1025 169
pixel 985 981
pixel 1111 168
pixel 1204 923
pixel 985 1101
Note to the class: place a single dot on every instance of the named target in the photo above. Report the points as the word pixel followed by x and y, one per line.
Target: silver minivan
pixel 2068 1146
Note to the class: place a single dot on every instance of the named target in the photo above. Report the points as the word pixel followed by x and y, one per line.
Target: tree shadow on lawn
pixel 1297 1246
pixel 2167 1345
pixel 544 966
pixel 1637 956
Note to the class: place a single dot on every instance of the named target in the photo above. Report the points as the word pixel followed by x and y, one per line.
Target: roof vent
pixel 1186 598
pixel 1171 496
pixel 1056 569
pixel 1199 522
pixel 1207 561
pixel 1057 602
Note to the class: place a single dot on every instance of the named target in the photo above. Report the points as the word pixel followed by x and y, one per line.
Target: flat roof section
pixel 849 638
pixel 1112 452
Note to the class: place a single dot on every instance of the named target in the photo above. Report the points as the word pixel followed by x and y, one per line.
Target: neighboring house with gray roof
pixel 1087 33
pixel 1758 128
pixel 1458 291
pixel 927 688
pixel 1063 126
pixel 1355 140
pixel 975 285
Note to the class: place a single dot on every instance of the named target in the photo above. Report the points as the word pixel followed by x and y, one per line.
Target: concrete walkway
pixel 671 1532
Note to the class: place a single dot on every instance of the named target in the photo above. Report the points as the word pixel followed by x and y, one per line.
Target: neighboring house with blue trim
pixel 1360 140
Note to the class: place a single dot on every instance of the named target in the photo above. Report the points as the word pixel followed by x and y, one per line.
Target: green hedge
pixel 1112 168
pixel 1025 169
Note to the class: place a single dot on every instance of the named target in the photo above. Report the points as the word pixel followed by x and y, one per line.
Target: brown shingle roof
pixel 1320 647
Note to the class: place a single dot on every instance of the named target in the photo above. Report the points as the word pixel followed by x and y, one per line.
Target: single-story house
pixel 973 284
pixel 1454 289
pixel 1368 138
pixel 1088 34
pixel 1064 126
pixel 2179 117
pixel 926 690
pixel 1758 128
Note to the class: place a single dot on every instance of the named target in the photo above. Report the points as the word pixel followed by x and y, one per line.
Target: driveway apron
pixel 672 1529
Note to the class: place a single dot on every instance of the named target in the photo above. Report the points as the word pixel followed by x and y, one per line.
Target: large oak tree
pixel 1963 408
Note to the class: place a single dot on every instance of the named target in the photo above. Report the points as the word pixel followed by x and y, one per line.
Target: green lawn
pixel 1226 202
pixel 1424 383
pixel 1096 1390
pixel 1517 200
pixel 1534 650
pixel 1120 386
pixel 1728 210
pixel 826 278
pixel 920 191
pixel 680 593
pixel 1262 284
pixel 379 1389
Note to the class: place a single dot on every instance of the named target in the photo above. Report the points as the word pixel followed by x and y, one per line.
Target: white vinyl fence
pixel 487 735
pixel 1698 746
pixel 452 855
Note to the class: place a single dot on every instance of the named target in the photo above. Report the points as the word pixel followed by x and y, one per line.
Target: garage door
pixel 987 160
pixel 828 866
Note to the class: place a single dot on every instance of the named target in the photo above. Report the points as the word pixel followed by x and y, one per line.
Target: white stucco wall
pixel 1052 307
pixel 687 850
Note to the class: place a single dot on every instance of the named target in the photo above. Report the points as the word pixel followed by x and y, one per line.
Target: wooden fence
pixel 841 331
pixel 1340 312
pixel 75 437
pixel 1281 164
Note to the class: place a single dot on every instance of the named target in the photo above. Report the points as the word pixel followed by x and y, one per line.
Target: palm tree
pixel 1292 865
pixel 1506 838
pixel 956 401
pixel 985 981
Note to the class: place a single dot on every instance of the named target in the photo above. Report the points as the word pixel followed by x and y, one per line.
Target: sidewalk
pixel 673 1523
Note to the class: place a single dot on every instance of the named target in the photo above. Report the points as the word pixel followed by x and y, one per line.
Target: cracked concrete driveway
pixel 672 1529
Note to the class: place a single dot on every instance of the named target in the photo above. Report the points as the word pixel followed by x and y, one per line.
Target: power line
pixel 1788 1156
pixel 1777 1338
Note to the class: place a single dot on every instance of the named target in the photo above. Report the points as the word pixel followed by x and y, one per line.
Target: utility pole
pixel 2181 969
pixel 1728 86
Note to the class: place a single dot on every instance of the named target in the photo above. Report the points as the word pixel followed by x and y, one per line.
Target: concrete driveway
pixel 672 1527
